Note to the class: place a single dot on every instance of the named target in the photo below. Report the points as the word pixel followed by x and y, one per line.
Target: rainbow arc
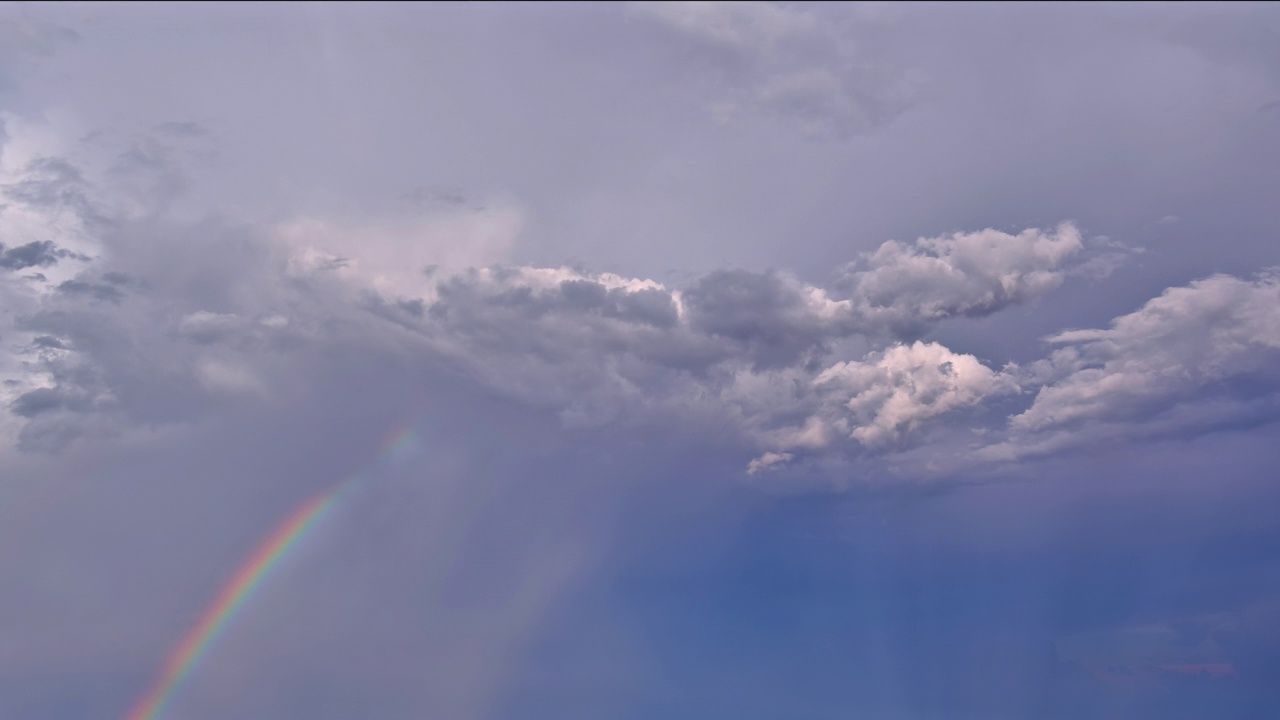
pixel 244 584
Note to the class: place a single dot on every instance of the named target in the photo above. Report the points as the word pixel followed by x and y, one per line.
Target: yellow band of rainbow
pixel 247 580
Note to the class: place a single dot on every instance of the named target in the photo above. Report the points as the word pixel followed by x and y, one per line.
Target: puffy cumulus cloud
pixel 749 353
pixel 789 61
pixel 906 286
pixel 891 393
pixel 1197 357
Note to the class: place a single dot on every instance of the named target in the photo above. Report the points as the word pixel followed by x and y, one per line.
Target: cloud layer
pixel 1194 359
pixel 788 368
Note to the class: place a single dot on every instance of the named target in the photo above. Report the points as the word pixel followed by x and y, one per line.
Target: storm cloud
pixel 687 360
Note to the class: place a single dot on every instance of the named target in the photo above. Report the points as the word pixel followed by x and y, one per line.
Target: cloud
pixel 777 319
pixel 788 369
pixel 48 212
pixel 905 287
pixel 1198 357
pixel 785 60
pixel 767 461
pixel 890 394
pixel 41 253
pixel 106 292
pixel 753 349
pixel 50 182
pixel 42 400
pixel 758 356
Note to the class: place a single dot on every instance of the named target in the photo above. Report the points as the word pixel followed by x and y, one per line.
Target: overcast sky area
pixel 750 361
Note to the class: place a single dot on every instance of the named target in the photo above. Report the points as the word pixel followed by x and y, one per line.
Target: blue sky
pixel 760 360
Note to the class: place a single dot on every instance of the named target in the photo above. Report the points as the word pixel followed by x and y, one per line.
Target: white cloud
pixel 1195 357
pixel 767 461
pixel 892 393
pixel 904 286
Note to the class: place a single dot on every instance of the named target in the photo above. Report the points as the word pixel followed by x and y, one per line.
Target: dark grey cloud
pixel 762 311
pixel 41 253
pixel 49 342
pixel 106 292
pixel 43 400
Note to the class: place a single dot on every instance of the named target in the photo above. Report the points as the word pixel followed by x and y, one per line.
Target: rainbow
pixel 245 583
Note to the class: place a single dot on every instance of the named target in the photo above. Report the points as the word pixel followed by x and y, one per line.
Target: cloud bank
pixel 143 335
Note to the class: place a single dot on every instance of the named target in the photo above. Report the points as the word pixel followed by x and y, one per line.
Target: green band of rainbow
pixel 248 579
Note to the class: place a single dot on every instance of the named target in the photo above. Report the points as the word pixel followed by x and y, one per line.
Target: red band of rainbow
pixel 247 580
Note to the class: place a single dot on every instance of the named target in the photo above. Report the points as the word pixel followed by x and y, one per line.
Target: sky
pixel 647 360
